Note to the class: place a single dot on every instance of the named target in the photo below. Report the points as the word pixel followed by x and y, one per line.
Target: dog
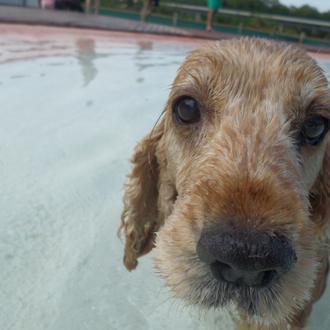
pixel 232 185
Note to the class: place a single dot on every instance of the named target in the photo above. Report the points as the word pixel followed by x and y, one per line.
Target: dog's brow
pixel 320 105
pixel 191 78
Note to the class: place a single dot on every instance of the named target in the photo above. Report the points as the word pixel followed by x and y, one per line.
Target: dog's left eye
pixel 314 130
pixel 186 110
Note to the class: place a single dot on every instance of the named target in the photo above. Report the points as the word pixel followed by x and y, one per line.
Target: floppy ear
pixel 320 195
pixel 140 217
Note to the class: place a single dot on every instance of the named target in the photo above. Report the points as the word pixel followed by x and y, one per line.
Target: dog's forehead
pixel 251 70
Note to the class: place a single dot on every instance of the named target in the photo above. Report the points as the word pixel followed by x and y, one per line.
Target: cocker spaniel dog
pixel 232 186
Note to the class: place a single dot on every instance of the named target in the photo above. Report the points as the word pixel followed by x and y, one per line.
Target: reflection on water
pixel 146 57
pixel 145 61
pixel 57 63
pixel 142 47
pixel 89 103
pixel 86 55
pixel 18 76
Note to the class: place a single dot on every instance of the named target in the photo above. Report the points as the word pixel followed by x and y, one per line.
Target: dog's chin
pixel 266 306
pixel 256 302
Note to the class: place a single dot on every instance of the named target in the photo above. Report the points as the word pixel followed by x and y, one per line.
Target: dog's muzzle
pixel 246 258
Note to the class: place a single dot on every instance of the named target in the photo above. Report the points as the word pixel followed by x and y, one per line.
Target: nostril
pixel 225 272
pixel 267 277
pixel 257 278
pixel 222 271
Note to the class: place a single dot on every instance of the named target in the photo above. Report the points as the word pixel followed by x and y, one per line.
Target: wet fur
pixel 242 167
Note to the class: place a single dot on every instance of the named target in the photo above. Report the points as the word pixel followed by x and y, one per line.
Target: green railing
pixel 190 24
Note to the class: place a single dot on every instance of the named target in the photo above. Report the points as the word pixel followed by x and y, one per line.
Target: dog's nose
pixel 246 258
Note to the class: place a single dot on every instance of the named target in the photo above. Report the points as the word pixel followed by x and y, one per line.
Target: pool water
pixel 73 105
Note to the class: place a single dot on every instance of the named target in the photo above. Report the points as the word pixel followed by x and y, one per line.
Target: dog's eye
pixel 186 110
pixel 314 130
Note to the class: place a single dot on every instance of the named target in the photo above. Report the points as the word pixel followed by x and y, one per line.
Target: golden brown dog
pixel 232 186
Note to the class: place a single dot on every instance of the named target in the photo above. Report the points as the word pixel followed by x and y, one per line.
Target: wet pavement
pixel 73 105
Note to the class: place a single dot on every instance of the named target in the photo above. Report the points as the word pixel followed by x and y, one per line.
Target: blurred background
pixel 293 20
pixel 80 83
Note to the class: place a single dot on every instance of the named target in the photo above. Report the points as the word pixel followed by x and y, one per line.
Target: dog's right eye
pixel 186 110
pixel 314 130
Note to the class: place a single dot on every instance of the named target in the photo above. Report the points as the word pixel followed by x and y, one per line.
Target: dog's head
pixel 235 180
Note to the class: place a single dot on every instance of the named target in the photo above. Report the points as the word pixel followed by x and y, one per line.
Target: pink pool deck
pixel 8 31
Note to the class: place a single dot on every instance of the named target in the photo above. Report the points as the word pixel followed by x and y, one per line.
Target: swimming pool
pixel 73 105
